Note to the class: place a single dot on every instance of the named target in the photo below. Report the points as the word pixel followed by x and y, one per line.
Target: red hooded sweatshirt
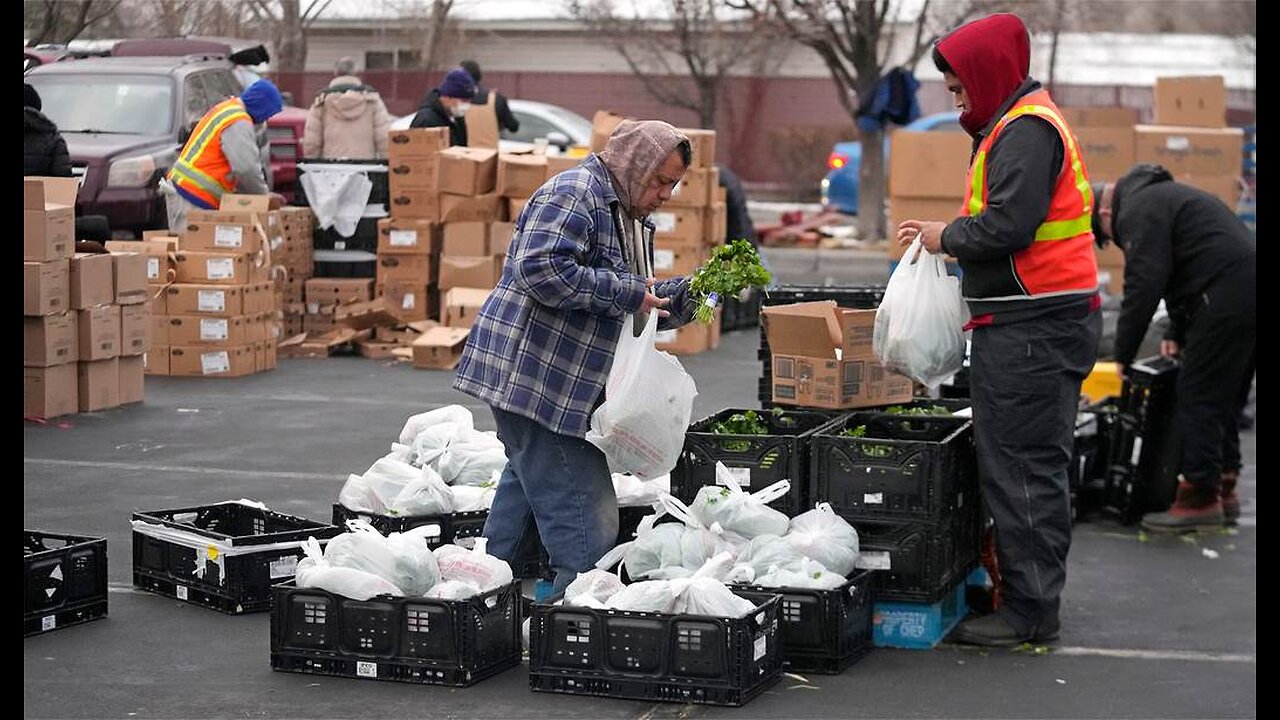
pixel 992 58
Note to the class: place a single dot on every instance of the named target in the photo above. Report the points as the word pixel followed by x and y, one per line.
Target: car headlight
pixel 131 172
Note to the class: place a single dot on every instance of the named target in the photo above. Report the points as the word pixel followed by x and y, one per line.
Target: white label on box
pixel 180 591
pixel 220 268
pixel 664 222
pixel 1178 143
pixel 664 259
pixel 873 498
pixel 211 300
pixel 404 238
pixel 1136 456
pixel 761 646
pixel 228 236
pixel 366 669
pixel 409 302
pixel 48 622
pixel 285 566
pixel 313 308
pixel 663 337
pixel 741 476
pixel 212 363
pixel 153 268
pixel 874 560
pixel 213 328
pixel 339 244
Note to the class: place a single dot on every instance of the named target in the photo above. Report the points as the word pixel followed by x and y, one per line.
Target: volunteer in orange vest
pixel 222 154
pixel 1025 248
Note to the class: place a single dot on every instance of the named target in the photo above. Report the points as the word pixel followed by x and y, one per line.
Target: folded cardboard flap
pixel 809 329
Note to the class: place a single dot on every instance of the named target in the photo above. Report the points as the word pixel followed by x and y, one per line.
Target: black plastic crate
pixel 235 583
pixel 846 296
pixel 364 239
pixel 919 561
pixel 740 313
pixel 1145 452
pixel 376 172
pixel 766 459
pixel 345 264
pixel 405 639
pixel 920 467
pixel 656 656
pixel 1091 443
pixel 823 631
pixel 64 580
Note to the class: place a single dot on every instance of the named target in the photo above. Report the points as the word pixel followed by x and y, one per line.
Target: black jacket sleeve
pixel 59 158
pixel 1022 168
pixel 505 117
pixel 1147 227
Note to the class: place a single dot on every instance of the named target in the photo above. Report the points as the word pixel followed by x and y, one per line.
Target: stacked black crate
pixel 1144 450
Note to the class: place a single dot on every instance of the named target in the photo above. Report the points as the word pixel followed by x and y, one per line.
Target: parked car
pixel 840 186
pixel 562 128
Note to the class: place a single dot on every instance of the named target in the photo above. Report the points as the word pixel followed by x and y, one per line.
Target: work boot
pixel 1194 508
pixel 994 630
pixel 1227 490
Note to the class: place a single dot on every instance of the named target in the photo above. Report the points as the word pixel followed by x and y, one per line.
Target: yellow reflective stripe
pixel 1064 229
pixel 184 171
pixel 210 127
pixel 1077 166
pixel 977 198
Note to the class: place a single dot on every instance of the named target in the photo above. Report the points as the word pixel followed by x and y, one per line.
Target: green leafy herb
pixel 860 431
pixel 747 423
pixel 732 268
pixel 924 410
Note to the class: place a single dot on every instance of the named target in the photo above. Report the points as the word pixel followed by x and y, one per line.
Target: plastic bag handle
pixel 679 511
pixel 767 495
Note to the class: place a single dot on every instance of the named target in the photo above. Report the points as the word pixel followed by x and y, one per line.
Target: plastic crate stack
pixel 1144 451
pixel 64 580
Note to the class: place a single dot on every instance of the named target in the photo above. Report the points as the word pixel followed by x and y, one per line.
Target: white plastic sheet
pixel 337 196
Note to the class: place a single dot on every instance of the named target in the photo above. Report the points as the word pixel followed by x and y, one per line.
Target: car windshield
pixel 571 121
pixel 108 103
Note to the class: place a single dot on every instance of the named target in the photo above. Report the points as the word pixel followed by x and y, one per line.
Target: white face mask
pixel 460 109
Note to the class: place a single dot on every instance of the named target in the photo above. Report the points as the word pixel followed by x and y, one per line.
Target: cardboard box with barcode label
pixel 198 361
pixel 334 291
pixel 1191 101
pixel 159 252
pixel 408 268
pixel 675 258
pixel 704 147
pixel 439 348
pixel 520 175
pixel 409 301
pixel 413 174
pixel 99 330
pixel 222 268
pixel 205 299
pixel 46 287
pixel 480 271
pixel 678 224
pixel 99 384
pixel 461 305
pixel 92 282
pixel 197 330
pixel 135 329
pixel 822 357
pixel 399 236
pixel 132 374
pixel 50 340
pixel 49 392
pixel 222 236
pixel 1190 150
pixel 467 171
pixel 690 338
pixel 416 143
pixel 48 218
pixel 694 189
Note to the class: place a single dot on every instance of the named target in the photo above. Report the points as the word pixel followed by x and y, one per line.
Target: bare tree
pixel 176 18
pixel 51 21
pixel 288 22
pixel 682 57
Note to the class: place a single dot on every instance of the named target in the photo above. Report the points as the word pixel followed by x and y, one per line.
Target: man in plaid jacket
pixel 579 265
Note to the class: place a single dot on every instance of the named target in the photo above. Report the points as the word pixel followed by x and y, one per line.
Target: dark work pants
pixel 1025 394
pixel 1217 361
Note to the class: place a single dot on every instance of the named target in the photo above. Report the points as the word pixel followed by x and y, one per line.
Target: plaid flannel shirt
pixel 543 343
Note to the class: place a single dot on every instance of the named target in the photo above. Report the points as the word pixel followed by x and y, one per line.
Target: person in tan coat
pixel 347 120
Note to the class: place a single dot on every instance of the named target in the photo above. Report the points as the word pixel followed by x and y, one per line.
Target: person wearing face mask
pixel 447 105
pixel 579 265
pixel 221 155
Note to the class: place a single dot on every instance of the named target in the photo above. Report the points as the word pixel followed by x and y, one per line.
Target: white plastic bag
pixel 919 330
pixel 393 487
pixel 456 414
pixel 631 491
pixel 820 534
pixel 804 573
pixel 471 458
pixel 763 552
pixel 592 588
pixel 402 559
pixel 700 594
pixel 453 590
pixel 736 511
pixel 314 571
pixel 474 566
pixel 640 427
pixel 469 498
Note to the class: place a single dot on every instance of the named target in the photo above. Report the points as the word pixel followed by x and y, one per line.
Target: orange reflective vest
pixel 1061 260
pixel 202 171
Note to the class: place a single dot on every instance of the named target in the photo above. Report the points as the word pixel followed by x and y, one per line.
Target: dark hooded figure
pixel 45 152
pixel 579 265
pixel 1030 277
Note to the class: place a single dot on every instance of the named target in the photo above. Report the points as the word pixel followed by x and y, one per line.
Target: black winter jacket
pixel 433 113
pixel 45 152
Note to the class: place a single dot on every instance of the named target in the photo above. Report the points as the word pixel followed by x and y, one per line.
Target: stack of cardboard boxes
pixel 219 315
pixel 296 256
pixel 323 296
pixel 86 317
pixel 409 241
pixel 926 179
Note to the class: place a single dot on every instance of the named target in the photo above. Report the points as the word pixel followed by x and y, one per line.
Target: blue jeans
pixel 554 486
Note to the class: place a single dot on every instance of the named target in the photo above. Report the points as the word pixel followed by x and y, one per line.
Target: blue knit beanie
pixel 261 100
pixel 457 83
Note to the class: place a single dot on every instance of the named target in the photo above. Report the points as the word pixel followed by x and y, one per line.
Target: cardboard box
pixel 46 287
pixel 273 356
pixel 235 361
pixel 439 348
pixel 416 143
pixel 159 253
pixel 314 325
pixel 130 274
pixel 1191 101
pixel 99 331
pixel 704 147
pixel 821 357
pixel 48 218
pixel 50 340
pixel 676 258
pixel 159 330
pixel 132 374
pixel 481 271
pixel 243 202
pixel 559 163
pixel 466 238
pixel 515 206
pixel 1108 151
pixel 1190 150
pixel 679 224
pixel 500 235
pixel 928 164
pixel 335 291
pixel 213 267
pixel 1100 117
pixel 520 175
pixel 222 236
pixel 1224 187
pixel 156 360
pixel 135 329
pixel 92 280
pixel 415 205
pixel 49 392
pixel 467 171
pixel 205 299
pixel 39 192
pixel 690 339
pixel 715 225
pixel 409 301
pixel 603 123
pixel 417 173
pixel 408 268
pixel 937 209
pixel 365 315
pixel 199 330
pixel 461 305
pixel 694 189
pixel 485 208
pixel 402 236
pixel 99 384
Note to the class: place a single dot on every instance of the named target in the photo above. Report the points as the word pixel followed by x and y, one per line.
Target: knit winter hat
pixel 457 83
